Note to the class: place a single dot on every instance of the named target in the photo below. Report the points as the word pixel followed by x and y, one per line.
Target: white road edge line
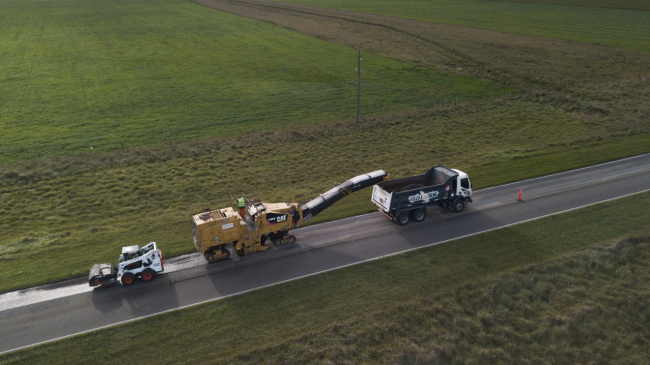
pixel 318 273
pixel 566 172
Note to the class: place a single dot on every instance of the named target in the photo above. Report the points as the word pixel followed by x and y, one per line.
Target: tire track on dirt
pixel 338 15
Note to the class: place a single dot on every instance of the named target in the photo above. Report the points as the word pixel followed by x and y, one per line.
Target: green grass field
pixel 553 19
pixel 517 294
pixel 614 4
pixel 80 73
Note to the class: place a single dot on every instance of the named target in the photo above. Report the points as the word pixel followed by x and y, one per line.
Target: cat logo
pixel 276 218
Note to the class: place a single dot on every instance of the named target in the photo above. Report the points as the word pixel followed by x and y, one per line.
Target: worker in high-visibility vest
pixel 241 203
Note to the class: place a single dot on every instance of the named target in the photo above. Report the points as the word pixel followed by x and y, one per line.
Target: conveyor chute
pixel 325 200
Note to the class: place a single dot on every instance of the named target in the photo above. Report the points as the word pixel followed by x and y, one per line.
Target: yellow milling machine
pixel 223 234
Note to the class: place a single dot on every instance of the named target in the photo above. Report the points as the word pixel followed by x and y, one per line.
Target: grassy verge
pixel 517 294
pixel 597 25
pixel 121 74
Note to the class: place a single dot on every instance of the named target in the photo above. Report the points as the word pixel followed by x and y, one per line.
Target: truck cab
pixel 462 185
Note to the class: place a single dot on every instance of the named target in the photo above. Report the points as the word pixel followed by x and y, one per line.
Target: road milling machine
pixel 223 234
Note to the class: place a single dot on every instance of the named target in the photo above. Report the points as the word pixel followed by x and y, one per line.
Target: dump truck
pixel 223 234
pixel 407 199
pixel 135 262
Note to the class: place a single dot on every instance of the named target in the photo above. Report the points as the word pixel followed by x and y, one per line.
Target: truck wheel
pixel 148 275
pixel 403 218
pixel 459 205
pixel 418 215
pixel 128 279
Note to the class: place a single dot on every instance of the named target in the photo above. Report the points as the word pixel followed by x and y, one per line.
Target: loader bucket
pixel 102 274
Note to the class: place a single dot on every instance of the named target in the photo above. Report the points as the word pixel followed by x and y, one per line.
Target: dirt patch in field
pixel 607 85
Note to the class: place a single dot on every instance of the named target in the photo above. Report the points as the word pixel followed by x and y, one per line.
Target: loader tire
pixel 402 219
pixel 128 279
pixel 418 215
pixel 148 275
pixel 459 205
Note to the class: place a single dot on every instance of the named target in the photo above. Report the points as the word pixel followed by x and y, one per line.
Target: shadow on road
pixel 142 298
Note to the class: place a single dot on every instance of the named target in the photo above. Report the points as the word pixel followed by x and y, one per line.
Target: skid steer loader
pixel 135 262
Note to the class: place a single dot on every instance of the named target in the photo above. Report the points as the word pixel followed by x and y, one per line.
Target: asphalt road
pixel 320 248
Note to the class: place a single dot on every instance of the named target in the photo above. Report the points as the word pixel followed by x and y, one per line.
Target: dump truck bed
pixel 415 191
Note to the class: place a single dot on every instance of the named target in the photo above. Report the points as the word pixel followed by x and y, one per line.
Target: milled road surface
pixel 45 316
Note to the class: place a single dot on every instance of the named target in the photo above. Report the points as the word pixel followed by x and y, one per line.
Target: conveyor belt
pixel 325 200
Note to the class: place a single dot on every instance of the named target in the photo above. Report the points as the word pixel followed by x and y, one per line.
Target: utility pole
pixel 358 85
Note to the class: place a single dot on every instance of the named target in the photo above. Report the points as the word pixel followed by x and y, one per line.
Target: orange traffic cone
pixel 519 196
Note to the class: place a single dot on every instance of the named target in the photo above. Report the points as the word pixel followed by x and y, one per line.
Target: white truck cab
pixel 464 188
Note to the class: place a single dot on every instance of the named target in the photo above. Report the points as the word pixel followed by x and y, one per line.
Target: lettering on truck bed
pixel 426 197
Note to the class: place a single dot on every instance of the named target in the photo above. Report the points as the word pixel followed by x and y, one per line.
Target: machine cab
pixel 130 252
pixel 256 209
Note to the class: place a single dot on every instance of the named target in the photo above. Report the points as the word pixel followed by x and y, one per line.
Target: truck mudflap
pixel 385 214
pixel 325 200
pixel 102 274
